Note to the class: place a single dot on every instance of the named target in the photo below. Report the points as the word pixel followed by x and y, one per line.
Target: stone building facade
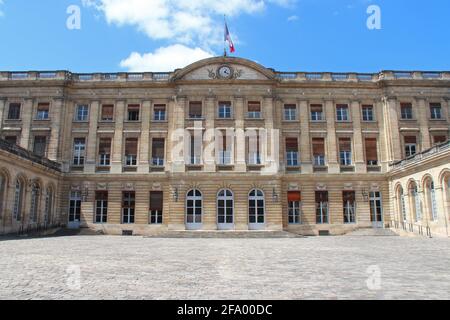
pixel 227 144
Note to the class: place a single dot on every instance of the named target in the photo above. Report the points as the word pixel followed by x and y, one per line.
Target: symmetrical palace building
pixel 225 144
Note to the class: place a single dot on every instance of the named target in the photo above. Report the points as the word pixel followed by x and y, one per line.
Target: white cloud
pixel 164 59
pixel 292 18
pixel 191 27
pixel 1 12
pixel 185 21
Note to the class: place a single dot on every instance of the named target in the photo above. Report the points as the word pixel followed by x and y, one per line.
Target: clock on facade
pixel 225 72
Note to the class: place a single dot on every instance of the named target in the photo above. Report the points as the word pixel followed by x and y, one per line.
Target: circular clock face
pixel 225 72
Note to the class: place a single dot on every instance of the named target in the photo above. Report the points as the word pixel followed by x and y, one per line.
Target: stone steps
pixel 372 232
pixel 226 235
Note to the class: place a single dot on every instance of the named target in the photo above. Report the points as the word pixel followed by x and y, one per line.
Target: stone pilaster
pixel 210 160
pixel 144 153
pixel 117 154
pixel 332 156
pixel 305 138
pixel 422 117
pixel 26 115
pixel 392 132
pixel 91 151
pixel 2 111
pixel 241 165
pixel 382 142
pixel 272 145
pixel 54 147
pixel 358 143
pixel 177 135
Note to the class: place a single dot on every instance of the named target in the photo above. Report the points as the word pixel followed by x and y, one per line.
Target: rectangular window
pixel 367 113
pixel 349 203
pixel 342 112
pixel 254 110
pixel 43 111
pixel 14 111
pixel 158 147
pixel 156 207
pixel 159 111
pixel 133 112
pixel 82 113
pixel 410 146
pixel 40 145
pixel 439 139
pixel 254 149
pixel 322 207
pixel 371 151
pixel 290 112
pixel 224 149
pixel 436 111
pixel 318 145
pixel 195 145
pixel 75 206
pixel 128 207
pixel 294 207
pixel 101 207
pixel 104 152
pixel 345 151
pixel 107 112
pixel 11 139
pixel 376 207
pixel 79 151
pixel 131 149
pixel 225 110
pixel 317 112
pixel 195 110
pixel 406 111
pixel 292 152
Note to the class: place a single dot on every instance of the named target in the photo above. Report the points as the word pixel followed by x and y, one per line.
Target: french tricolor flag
pixel 228 39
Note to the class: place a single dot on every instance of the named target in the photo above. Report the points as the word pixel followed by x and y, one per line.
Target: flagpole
pixel 224 37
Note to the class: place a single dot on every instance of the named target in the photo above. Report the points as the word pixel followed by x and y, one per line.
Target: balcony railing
pixel 422 156
pixel 23 153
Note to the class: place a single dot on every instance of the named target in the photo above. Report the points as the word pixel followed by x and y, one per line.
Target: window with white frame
pixel 417 203
pixel 225 148
pixel 256 207
pixel 156 207
pixel 194 207
pixel 158 148
pixel 367 113
pixel 403 206
pixel 225 207
pixel 376 207
pixel 224 111
pixel 75 206
pixel 79 151
pixel 101 207
pixel 34 206
pixel 322 207
pixel 434 210
pixel 290 112
pixel 18 200
pixel 345 151
pixel 159 112
pixel 254 110
pixel 292 152
pixel 317 112
pixel 318 146
pixel 410 146
pixel 342 112
pixel 131 151
pixel 406 111
pixel 436 111
pixel 294 207
pixel 43 111
pixel 82 113
pixel 104 152
pixel 349 203
pixel 128 207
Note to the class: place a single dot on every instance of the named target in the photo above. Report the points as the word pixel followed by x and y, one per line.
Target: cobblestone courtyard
pixel 143 268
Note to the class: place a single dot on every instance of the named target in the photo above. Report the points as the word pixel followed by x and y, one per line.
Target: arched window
pixel 194 207
pixel 2 193
pixel 34 207
pixel 414 193
pixel 18 199
pixel 256 208
pixel 433 202
pixel 48 205
pixel 225 207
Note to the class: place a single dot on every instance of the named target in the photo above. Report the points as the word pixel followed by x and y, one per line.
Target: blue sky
pixel 288 35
